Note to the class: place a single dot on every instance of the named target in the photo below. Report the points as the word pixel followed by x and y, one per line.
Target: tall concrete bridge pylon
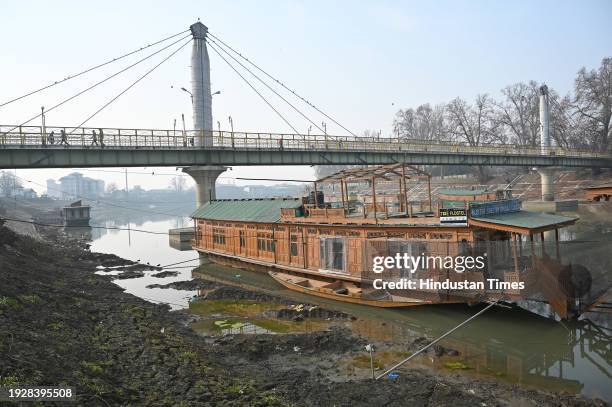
pixel 546 174
pixel 205 176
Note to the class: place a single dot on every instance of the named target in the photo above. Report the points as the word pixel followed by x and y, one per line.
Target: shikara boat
pixel 335 290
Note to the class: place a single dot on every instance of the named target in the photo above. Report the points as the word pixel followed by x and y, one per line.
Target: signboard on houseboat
pixel 453 216
pixel 495 207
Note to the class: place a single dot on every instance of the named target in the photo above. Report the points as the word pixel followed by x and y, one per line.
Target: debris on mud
pixel 190 285
pixel 300 312
pixel 437 349
pixel 129 274
pixel 167 273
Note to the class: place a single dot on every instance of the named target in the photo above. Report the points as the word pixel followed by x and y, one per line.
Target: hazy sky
pixel 358 61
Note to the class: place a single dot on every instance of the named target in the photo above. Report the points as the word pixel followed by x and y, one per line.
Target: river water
pixel 510 345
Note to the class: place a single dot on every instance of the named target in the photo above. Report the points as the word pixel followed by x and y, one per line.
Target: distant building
pixel 29 193
pixel 53 189
pixel 25 193
pixel 75 185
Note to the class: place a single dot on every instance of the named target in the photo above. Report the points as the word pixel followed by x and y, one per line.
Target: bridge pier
pixel 547 176
pixel 205 177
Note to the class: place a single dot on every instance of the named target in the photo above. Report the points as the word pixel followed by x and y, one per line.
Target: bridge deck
pixel 32 147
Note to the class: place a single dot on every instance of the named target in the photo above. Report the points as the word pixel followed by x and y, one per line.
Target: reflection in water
pixel 507 344
pixel 519 348
pixel 153 249
pixel 512 345
pixel 85 233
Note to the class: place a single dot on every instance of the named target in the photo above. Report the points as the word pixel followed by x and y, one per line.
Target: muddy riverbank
pixel 63 324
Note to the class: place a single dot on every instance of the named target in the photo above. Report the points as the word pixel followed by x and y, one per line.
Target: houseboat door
pixel 242 242
pixel 296 247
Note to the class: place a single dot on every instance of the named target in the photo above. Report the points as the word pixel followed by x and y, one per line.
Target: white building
pixel 76 186
pixel 53 189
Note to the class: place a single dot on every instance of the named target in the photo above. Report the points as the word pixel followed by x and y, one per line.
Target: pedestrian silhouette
pixel 64 139
pixel 94 138
pixel 101 138
pixel 51 137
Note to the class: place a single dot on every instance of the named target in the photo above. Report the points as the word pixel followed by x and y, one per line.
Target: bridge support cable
pixel 254 89
pixel 98 83
pixel 132 85
pixel 67 78
pixel 283 85
pixel 266 85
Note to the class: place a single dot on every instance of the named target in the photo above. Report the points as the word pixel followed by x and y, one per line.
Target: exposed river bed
pixel 510 345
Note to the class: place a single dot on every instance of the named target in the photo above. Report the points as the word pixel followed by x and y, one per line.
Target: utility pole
pixel 43 131
pixel 184 130
pixel 325 132
pixel 15 188
pixel 231 122
pixel 127 193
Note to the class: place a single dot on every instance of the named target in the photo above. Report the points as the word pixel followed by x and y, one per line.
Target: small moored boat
pixel 336 290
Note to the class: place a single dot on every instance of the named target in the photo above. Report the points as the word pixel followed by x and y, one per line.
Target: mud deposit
pixel 63 324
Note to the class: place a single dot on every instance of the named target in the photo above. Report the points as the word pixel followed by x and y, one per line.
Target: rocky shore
pixel 64 325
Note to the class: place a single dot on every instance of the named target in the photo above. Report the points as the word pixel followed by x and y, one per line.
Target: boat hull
pixel 288 281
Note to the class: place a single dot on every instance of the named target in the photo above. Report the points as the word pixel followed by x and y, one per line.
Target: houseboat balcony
pixel 362 214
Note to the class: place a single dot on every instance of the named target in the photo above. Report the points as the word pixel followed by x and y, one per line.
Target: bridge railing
pixel 118 138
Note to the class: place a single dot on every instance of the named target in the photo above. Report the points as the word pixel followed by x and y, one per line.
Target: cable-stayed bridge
pixel 32 147
pixel 204 152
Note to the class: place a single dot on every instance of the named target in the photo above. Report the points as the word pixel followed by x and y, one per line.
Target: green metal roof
pixel 461 191
pixel 456 204
pixel 246 210
pixel 526 219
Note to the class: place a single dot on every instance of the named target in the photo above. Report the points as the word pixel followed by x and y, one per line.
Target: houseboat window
pixel 218 236
pixel 265 243
pixel 411 248
pixel 464 247
pixel 332 253
pixel 441 236
pixel 242 239
pixel 294 245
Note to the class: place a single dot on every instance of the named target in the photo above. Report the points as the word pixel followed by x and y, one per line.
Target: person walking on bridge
pixel 63 139
pixel 94 138
pixel 101 138
pixel 51 137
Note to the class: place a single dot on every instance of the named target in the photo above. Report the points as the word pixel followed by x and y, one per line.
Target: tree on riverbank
pixel 593 104
pixel 9 184
pixel 580 121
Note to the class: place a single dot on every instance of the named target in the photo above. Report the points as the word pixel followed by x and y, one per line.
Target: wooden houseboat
pixel 76 214
pixel 322 244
